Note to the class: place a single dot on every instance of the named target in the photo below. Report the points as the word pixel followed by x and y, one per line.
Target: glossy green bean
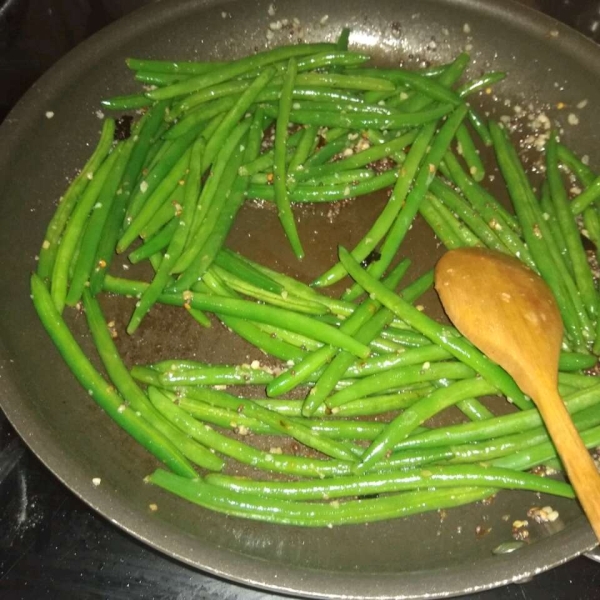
pixel 539 240
pixel 570 230
pixel 74 229
pixel 69 200
pixel 280 186
pixel 437 333
pixel 238 67
pixel 84 263
pixel 104 395
pixel 367 485
pixel 405 217
pixel 315 514
pixel 276 422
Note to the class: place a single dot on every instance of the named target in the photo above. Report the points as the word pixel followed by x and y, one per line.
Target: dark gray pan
pixel 428 556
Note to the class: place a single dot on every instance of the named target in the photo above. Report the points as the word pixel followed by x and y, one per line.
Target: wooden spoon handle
pixel 580 466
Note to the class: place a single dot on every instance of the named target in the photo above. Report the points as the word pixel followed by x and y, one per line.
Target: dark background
pixel 52 546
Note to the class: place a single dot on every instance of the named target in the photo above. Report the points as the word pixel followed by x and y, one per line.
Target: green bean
pixel 576 165
pixel 233 116
pixel 278 423
pixel 499 220
pixel 352 176
pixel 158 79
pixel 345 82
pixel 147 128
pixel 74 229
pixel 366 334
pixel 220 179
pixel 284 210
pixel 466 148
pixel 177 241
pixel 156 243
pixel 425 176
pixel 543 452
pixel 89 241
pixel 498 427
pixel 303 149
pixel 236 68
pixel 416 81
pixel 133 395
pixel 286 301
pixel 414 356
pixel 539 239
pixel 293 377
pixel 486 80
pixel 360 159
pixel 393 207
pixel 178 67
pixel 577 255
pixel 330 193
pixel 408 338
pixel 270 315
pixel 440 226
pixel 466 237
pixel 586 198
pixel 509 444
pixel 418 413
pixel 156 201
pixel 170 163
pixel 437 333
pixel 69 200
pixel 166 213
pixel 480 127
pixel 315 514
pixel 367 485
pixel 343 107
pixel 215 375
pixel 105 396
pixel 229 186
pixel 244 453
pixel 127 102
pixel 377 405
pixel 200 116
pixel 573 361
pixel 361 120
pixel 459 206
pixel 231 261
pixel 399 377
pixel 551 218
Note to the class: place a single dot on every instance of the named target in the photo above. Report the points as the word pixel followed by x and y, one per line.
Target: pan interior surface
pixel 437 554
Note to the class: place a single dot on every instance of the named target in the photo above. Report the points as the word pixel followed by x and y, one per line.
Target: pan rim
pixel 244 569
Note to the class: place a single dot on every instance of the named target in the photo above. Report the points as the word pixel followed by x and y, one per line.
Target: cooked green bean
pixel 437 333
pixel 280 186
pixel 100 212
pixel 67 203
pixel 133 395
pixel 425 176
pixel 238 67
pixel 315 514
pixel 104 395
pixel 466 148
pixel 367 485
pixel 570 231
pixel 74 229
pixel 278 423
pixel 538 238
pixel 418 413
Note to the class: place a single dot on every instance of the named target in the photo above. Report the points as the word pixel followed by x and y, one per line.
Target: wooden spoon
pixel 510 314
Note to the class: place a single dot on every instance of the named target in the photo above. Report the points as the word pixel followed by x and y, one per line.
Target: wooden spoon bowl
pixel 510 314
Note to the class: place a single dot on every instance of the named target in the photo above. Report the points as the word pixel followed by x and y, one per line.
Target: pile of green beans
pixel 351 382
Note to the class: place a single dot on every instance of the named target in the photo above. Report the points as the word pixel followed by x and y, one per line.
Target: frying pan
pixel 433 555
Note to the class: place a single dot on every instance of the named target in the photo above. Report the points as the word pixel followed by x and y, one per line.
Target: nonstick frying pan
pixel 432 555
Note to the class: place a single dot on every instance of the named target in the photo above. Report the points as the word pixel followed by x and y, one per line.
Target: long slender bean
pixel 437 333
pixel 67 203
pixel 105 396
